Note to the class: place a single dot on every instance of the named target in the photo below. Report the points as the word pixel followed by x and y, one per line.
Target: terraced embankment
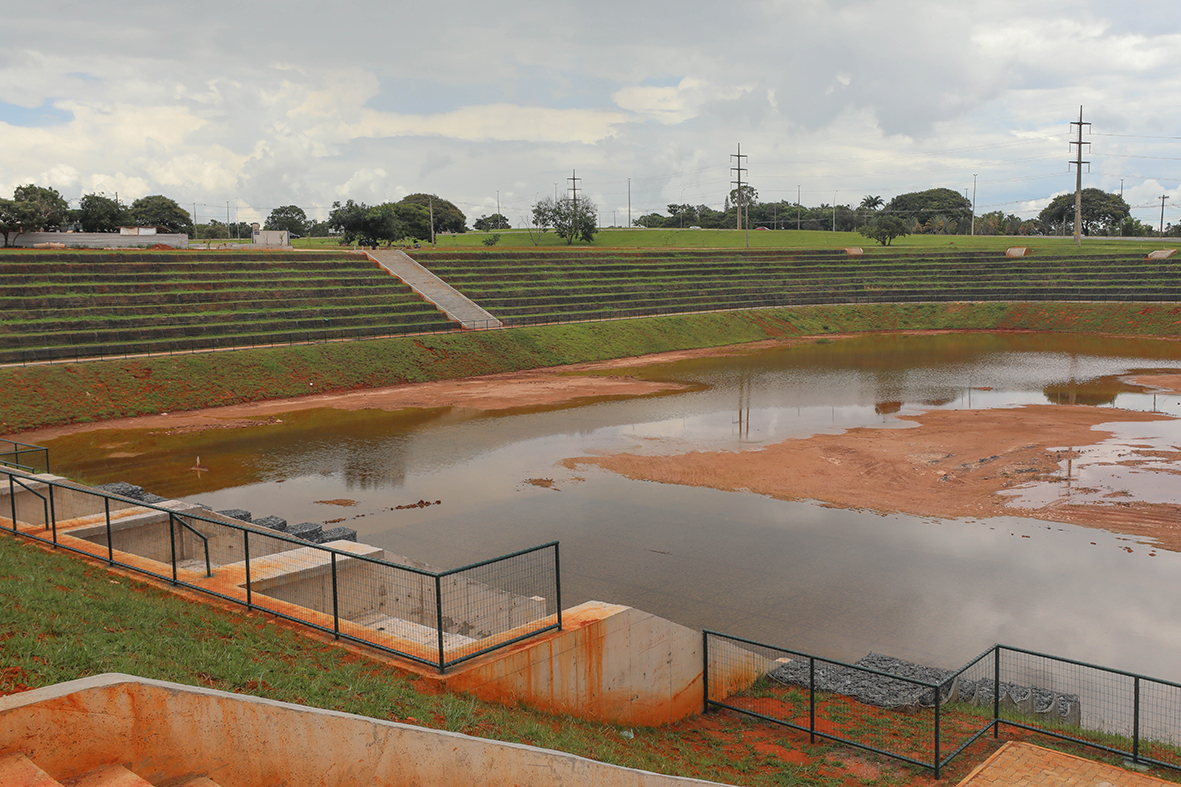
pixel 69 306
pixel 531 287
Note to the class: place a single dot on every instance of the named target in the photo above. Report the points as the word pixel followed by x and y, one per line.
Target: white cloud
pixel 852 96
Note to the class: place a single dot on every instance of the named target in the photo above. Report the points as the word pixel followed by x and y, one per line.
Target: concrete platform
pixel 1017 764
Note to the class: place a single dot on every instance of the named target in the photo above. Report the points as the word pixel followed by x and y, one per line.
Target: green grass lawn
pixel 782 239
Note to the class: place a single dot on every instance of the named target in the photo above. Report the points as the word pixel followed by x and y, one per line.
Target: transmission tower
pixel 740 169
pixel 1078 178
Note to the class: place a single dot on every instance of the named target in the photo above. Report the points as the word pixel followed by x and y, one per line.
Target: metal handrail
pixel 204 540
pixel 12 499
pixel 246 531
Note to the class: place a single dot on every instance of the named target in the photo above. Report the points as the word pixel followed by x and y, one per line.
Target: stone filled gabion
pixel 273 522
pixel 884 691
pixel 338 534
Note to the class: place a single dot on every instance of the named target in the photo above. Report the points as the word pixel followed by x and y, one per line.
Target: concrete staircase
pixel 449 300
pixel 17 770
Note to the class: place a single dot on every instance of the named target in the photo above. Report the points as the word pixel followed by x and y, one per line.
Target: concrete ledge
pixel 165 731
pixel 98 240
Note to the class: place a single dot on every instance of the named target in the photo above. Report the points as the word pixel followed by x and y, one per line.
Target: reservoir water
pixel 835 582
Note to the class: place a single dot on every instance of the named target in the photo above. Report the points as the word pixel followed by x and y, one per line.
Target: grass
pixel 782 239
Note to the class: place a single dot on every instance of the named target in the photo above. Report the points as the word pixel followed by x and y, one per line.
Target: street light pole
pixel 973 204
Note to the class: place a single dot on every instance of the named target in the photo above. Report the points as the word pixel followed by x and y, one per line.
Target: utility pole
pixel 740 169
pixel 430 201
pixel 629 203
pixel 834 211
pixel 797 208
pixel 973 204
pixel 574 187
pixel 1078 178
pixel 1163 197
pixel 574 222
pixel 498 208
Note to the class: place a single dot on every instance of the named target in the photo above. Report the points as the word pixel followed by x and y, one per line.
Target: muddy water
pixel 835 582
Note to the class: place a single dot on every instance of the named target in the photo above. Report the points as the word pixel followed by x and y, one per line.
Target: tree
pixel 16 218
pixel 290 218
pixel 1100 210
pixel 569 219
pixel 47 207
pixel 214 230
pixel 650 221
pixel 360 223
pixel 160 211
pixel 749 197
pixel 99 213
pixel 885 229
pixel 448 218
pixel 414 221
pixel 871 203
pixel 494 222
pixel 922 206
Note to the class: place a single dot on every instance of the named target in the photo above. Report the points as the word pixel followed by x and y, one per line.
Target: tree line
pixel 418 217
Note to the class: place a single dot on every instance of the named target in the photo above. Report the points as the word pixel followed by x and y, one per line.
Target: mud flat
pixel 952 463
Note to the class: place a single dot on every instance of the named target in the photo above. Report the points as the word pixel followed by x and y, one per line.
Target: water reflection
pixel 832 581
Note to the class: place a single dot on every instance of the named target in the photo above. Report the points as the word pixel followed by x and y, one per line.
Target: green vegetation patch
pixel 100 390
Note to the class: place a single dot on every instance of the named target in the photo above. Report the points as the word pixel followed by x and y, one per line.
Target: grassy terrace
pixel 541 286
pixel 62 306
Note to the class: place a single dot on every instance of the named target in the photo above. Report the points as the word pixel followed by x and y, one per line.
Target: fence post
pixel 558 583
pixel 335 602
pixel 172 543
pixel 812 699
pixel 110 547
pixel 705 671
pixel 439 619
pixel 246 556
pixel 1136 720
pixel 52 515
pixel 12 500
pixel 996 691
pixel 937 704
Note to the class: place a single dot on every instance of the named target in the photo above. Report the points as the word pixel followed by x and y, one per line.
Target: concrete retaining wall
pixel 98 240
pixel 165 731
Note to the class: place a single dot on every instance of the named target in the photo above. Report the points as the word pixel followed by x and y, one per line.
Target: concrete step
pixel 450 301
pixel 109 776
pixel 17 770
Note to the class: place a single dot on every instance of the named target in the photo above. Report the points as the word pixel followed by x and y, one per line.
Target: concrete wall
pixel 165 731
pixel 98 240
pixel 609 662
pixel 270 238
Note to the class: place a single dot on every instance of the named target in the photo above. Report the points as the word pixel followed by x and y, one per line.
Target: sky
pixel 239 108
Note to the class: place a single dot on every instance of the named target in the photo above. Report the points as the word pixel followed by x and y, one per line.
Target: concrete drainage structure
pixel 605 662
pixel 127 731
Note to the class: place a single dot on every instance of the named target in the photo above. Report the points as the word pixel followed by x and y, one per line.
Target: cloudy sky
pixel 264 103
